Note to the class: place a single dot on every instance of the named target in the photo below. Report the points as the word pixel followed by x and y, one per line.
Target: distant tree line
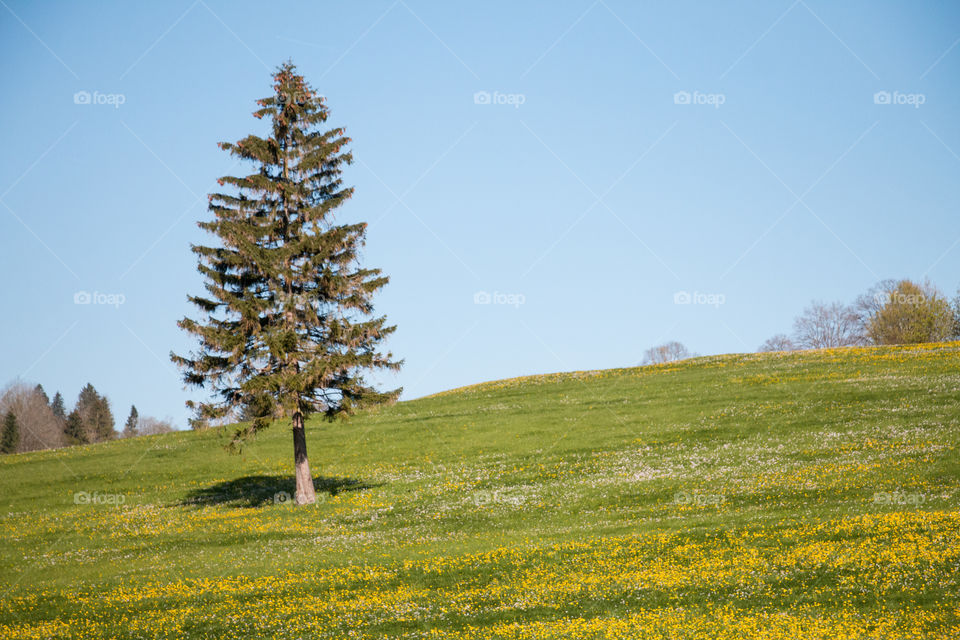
pixel 31 420
pixel 890 312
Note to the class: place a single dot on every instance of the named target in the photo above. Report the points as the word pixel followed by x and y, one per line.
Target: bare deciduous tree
pixel 955 305
pixel 667 352
pixel 150 426
pixel 869 304
pixel 39 427
pixel 779 342
pixel 825 325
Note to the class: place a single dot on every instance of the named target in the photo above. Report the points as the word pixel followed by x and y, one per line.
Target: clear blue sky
pixel 585 188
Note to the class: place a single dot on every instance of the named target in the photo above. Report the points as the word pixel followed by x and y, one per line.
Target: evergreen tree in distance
pixel 74 430
pixel 10 438
pixel 103 424
pixel 57 405
pixel 288 310
pixel 43 394
pixel 133 420
pixel 95 413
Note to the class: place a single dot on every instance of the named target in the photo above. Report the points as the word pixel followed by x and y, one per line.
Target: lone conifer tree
pixel 10 439
pixel 288 310
pixel 130 429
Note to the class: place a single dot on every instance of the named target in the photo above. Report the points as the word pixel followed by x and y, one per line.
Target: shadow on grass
pixel 262 490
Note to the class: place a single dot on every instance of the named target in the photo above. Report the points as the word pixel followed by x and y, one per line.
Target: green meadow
pixel 787 495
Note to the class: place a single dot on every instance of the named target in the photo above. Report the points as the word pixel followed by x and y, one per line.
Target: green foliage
pixel 257 407
pixel 74 430
pixel 10 438
pixel 57 406
pixel 94 411
pixel 286 318
pixel 909 314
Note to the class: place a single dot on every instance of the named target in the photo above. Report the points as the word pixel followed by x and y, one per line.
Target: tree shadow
pixel 261 490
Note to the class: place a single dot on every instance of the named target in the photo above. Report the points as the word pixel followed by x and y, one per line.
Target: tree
pixel 288 309
pixel 43 394
pixel 101 421
pixel 74 430
pixel 911 313
pixel 779 342
pixel 667 352
pixel 150 426
pixel 38 427
pixel 867 305
pixel 10 439
pixel 956 316
pixel 823 325
pixel 257 407
pixel 130 429
pixel 94 410
pixel 57 406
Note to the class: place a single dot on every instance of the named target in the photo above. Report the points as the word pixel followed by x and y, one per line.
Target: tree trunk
pixel 305 493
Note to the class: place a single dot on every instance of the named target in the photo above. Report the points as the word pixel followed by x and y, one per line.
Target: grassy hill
pixel 800 495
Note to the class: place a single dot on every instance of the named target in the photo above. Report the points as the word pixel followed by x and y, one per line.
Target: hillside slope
pixel 810 494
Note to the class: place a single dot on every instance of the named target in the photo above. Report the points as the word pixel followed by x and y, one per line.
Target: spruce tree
pixel 133 421
pixel 57 405
pixel 94 410
pixel 86 401
pixel 102 423
pixel 74 430
pixel 288 311
pixel 43 394
pixel 10 439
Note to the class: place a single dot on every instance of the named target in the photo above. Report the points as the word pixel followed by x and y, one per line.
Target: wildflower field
pixel 791 495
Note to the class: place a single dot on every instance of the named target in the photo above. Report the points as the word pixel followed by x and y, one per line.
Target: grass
pixel 808 494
